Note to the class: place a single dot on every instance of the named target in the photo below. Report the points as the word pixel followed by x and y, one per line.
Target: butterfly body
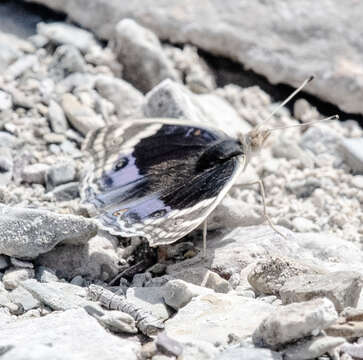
pixel 159 178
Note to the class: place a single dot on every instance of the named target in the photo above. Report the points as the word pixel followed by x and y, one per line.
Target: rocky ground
pixel 69 291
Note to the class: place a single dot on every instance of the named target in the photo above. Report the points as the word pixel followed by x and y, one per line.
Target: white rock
pixel 80 116
pixel 13 277
pixel 213 317
pixel 140 53
pixel 6 102
pixel 35 174
pixel 292 322
pixel 178 293
pixel 67 34
pixel 352 150
pixel 53 340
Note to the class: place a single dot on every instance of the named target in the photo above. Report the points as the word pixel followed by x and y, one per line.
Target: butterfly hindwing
pixel 143 178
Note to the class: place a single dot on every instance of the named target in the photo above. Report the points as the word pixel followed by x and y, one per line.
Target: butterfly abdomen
pixel 219 152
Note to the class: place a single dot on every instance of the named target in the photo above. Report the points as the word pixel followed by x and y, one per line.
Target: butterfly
pixel 161 178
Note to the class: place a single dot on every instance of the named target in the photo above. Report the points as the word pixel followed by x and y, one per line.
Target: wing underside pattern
pixel 142 178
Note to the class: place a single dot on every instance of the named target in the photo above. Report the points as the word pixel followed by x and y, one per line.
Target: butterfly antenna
pixel 307 81
pixel 334 117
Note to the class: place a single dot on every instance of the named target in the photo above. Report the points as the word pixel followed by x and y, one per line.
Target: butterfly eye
pixel 158 213
pixel 121 163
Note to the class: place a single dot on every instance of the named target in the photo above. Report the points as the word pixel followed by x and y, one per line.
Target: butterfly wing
pixel 142 178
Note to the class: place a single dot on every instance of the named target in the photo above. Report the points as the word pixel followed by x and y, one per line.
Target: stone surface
pixel 228 314
pixel 44 274
pixel 81 117
pixel 14 276
pixel 6 102
pixel 215 282
pixel 352 150
pixel 140 53
pixel 72 334
pixel 67 34
pixel 127 100
pixel 178 293
pixel 119 322
pixel 348 330
pixel 292 322
pixel 149 299
pixel 268 276
pixel 246 353
pixel 172 100
pixel 274 54
pixel 52 295
pixel 24 298
pixel 313 348
pixel 57 118
pixel 342 288
pixel 97 259
pixel 35 174
pixel 60 174
pixel 26 233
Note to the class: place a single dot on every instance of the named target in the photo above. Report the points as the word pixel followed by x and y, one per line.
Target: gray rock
pixel 57 118
pixel 6 166
pixel 53 340
pixel 303 188
pixel 65 192
pixel 97 259
pixel 65 34
pixel 139 280
pixel 312 348
pixel 35 174
pixel 45 275
pixel 78 280
pixel 76 82
pixel 241 316
pixel 265 25
pixel 82 117
pixel 245 353
pixel 20 66
pixel 24 298
pixel 352 150
pixel 9 51
pixel 269 276
pixel 4 262
pixel 7 140
pixel 127 100
pixel 26 233
pixel 178 293
pixel 199 350
pixel 215 282
pixel 21 264
pixel 66 60
pixel 140 52
pixel 292 322
pixel 53 296
pixel 60 174
pixel 13 277
pixel 342 288
pixel 6 102
pixel 118 322
pixel 172 100
pixel 149 299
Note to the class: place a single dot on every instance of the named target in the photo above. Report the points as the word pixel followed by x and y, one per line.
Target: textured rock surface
pixel 271 39
pixel 229 314
pixel 29 232
pixel 72 334
pixel 342 288
pixel 291 322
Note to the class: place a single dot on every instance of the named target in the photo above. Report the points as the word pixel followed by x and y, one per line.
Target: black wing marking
pixel 145 181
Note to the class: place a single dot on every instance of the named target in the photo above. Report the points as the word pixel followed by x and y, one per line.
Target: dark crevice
pixel 21 18
pixel 229 72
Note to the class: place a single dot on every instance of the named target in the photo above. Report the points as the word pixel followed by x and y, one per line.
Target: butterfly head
pixel 254 140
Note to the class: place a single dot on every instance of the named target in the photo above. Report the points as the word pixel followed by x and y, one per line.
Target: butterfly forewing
pixel 143 178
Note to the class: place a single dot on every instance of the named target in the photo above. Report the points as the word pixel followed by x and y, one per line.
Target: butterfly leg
pixel 204 238
pixel 262 190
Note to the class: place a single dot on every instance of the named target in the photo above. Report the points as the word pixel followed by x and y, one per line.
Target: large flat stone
pixel 72 334
pixel 284 42
pixel 26 233
pixel 213 317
